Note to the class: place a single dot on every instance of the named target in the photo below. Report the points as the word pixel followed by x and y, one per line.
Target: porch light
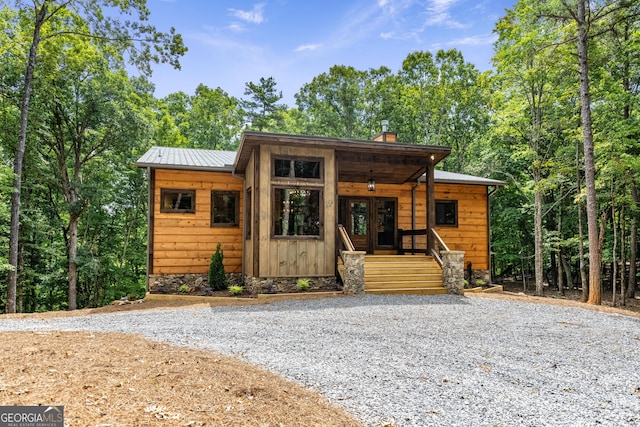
pixel 371 184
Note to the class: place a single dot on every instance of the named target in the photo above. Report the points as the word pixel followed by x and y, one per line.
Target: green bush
pixel 303 285
pixel 183 289
pixel 235 290
pixel 217 277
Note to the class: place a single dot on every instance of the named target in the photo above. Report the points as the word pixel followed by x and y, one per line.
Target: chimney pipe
pixel 385 124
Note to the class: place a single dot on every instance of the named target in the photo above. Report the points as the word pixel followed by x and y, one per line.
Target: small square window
pixel 447 212
pixel 224 208
pixel 177 201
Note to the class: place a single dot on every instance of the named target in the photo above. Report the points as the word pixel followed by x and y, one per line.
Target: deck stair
pixel 402 274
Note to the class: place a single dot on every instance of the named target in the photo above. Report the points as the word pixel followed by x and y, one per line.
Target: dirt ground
pixel 109 379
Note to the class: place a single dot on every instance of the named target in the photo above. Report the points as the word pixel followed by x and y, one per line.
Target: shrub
pixel 235 289
pixel 303 285
pixel 217 277
pixel 183 289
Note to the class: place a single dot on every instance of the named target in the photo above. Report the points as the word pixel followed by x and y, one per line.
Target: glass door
pixel 359 224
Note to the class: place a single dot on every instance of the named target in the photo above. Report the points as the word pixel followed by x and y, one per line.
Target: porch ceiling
pixel 389 162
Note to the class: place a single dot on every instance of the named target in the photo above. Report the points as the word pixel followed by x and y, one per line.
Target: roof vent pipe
pixel 385 124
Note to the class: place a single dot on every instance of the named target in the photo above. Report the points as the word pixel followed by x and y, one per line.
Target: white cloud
pixel 478 40
pixel 253 16
pixel 306 47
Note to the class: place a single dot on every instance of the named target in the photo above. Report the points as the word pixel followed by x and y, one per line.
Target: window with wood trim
pixel 248 219
pixel 297 212
pixel 447 213
pixel 177 201
pixel 298 168
pixel 225 207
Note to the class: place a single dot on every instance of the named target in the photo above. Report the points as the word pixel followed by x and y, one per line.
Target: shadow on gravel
pixel 351 302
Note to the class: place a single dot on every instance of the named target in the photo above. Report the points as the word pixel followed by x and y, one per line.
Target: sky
pixel 234 42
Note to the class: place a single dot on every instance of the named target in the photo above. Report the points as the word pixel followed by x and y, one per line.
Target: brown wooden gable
pixel 357 160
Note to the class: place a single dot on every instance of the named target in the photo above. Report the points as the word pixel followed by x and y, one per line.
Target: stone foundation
pixel 453 271
pixel 353 272
pixel 257 285
pixel 197 284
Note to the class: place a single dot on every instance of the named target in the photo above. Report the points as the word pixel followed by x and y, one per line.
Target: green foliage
pixel 303 285
pixel 235 290
pixel 217 277
pixel 262 108
pixel 183 289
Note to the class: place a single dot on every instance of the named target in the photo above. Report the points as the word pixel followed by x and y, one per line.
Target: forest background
pixel 557 120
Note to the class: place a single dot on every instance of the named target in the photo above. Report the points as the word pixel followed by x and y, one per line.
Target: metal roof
pixel 445 177
pixel 187 158
pixel 218 160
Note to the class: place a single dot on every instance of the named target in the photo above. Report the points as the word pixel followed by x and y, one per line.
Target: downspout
pixel 244 219
pixel 490 192
pixel 151 176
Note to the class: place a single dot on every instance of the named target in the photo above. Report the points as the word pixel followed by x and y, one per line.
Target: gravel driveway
pixel 419 360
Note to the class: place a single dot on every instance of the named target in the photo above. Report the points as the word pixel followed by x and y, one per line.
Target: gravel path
pixel 419 361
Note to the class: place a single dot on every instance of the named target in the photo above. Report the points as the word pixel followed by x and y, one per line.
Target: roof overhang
pixel 357 160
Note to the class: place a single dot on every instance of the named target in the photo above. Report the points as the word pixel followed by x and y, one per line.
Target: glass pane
pixel 288 168
pixel 446 213
pixel 359 218
pixel 177 201
pixel 296 212
pixel 386 210
pixel 224 208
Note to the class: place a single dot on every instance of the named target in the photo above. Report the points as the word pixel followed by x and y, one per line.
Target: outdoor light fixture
pixel 371 184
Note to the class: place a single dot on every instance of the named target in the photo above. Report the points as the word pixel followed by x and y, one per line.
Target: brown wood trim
pixel 255 238
pixel 431 204
pixel 150 221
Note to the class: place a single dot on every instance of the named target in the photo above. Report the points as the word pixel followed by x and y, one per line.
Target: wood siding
pixel 472 233
pixel 296 257
pixel 184 242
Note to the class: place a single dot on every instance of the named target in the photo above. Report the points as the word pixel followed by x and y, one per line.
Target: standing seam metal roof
pixel 187 158
pixel 218 160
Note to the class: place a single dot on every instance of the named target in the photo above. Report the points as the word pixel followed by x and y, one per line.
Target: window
pixel 386 216
pixel 447 212
pixel 177 201
pixel 297 212
pixel 298 168
pixel 248 220
pixel 224 208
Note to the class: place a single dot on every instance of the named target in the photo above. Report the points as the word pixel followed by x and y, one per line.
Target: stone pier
pixel 453 271
pixel 353 272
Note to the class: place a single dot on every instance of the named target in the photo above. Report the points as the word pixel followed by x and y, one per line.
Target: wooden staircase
pixel 402 274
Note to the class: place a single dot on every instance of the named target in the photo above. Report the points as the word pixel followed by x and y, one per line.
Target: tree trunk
pixel 595 254
pixel 614 261
pixel 633 244
pixel 538 242
pixel 584 283
pixel 18 160
pixel 73 265
pixel 560 266
pixel 623 258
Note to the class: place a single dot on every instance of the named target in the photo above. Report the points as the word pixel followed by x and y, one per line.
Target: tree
pixel 529 93
pixel 143 44
pixel 590 20
pixel 262 108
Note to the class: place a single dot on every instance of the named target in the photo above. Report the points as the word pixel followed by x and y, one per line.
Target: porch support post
pixel 431 206
pixel 453 271
pixel 353 272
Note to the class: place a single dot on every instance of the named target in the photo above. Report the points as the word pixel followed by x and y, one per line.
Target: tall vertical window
pixel 296 212
pixel 177 201
pixel 224 208
pixel 447 212
pixel 248 220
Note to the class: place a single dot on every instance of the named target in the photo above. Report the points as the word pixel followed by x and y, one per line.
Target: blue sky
pixel 234 42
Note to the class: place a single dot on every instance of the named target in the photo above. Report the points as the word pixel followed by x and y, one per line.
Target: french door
pixel 371 222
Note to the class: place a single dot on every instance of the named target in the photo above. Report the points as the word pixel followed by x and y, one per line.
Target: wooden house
pixel 284 206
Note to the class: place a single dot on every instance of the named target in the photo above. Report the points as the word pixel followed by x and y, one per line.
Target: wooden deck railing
pixel 345 241
pixel 439 244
